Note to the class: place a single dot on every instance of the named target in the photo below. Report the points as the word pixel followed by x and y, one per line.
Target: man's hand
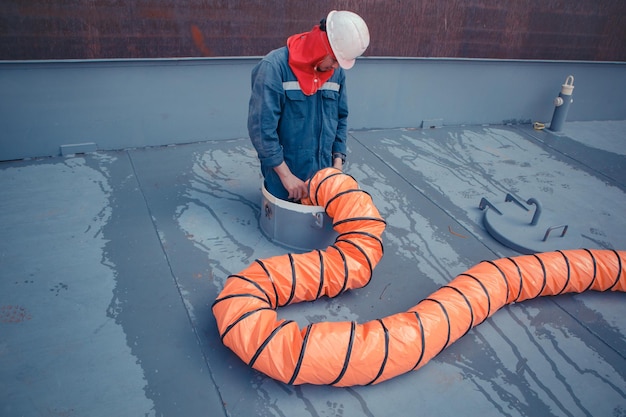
pixel 338 163
pixel 296 188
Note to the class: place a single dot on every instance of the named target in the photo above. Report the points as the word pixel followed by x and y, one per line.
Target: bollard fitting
pixel 561 104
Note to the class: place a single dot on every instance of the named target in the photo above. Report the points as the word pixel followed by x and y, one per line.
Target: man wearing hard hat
pixel 298 112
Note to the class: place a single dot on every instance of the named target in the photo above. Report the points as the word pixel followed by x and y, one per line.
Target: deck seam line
pixel 447 213
pixel 175 281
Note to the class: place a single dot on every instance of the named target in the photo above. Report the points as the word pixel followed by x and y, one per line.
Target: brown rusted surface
pixel 101 29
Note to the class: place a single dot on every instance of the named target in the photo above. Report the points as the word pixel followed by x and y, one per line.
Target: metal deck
pixel 109 263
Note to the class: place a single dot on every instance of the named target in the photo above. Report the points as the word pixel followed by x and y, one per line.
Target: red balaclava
pixel 306 50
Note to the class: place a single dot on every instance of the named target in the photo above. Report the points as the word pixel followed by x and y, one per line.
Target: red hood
pixel 306 50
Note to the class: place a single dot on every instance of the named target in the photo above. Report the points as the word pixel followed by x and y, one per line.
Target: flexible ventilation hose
pixel 349 353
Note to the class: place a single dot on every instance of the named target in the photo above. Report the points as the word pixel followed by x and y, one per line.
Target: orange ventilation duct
pixel 349 353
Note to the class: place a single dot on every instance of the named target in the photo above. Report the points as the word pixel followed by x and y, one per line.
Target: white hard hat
pixel 348 36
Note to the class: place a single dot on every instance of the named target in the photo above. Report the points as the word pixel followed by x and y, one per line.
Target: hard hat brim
pixel 346 64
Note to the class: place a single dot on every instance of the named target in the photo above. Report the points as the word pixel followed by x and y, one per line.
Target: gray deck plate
pixel 110 261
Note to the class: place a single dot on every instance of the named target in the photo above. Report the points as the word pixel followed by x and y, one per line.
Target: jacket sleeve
pixel 265 108
pixel 339 145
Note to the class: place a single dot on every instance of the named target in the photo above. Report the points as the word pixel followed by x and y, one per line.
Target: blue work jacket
pixel 284 124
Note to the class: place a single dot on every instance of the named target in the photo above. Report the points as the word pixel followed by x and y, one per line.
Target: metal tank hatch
pixel 527 226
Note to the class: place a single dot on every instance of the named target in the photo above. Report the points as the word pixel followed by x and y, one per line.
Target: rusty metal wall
pixel 504 29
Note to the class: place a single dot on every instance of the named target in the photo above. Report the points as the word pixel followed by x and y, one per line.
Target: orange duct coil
pixel 349 353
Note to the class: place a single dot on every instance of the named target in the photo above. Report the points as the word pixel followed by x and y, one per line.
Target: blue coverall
pixel 284 124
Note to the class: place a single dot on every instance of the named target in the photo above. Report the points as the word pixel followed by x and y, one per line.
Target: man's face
pixel 328 63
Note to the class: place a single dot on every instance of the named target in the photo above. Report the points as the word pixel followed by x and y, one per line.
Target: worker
pixel 297 119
